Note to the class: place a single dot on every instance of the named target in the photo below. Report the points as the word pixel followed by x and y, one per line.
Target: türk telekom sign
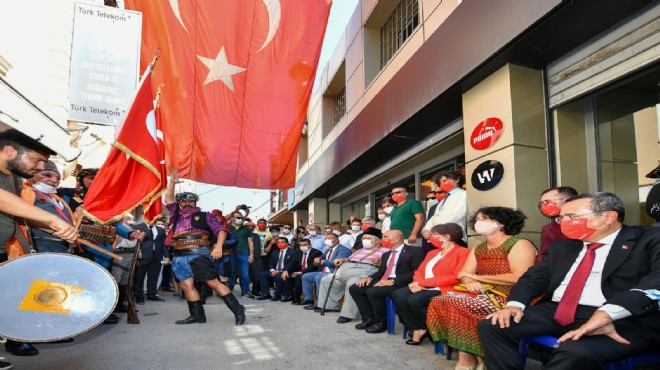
pixel 486 134
pixel 105 63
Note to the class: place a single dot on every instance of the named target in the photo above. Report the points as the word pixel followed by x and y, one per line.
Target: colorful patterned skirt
pixel 453 319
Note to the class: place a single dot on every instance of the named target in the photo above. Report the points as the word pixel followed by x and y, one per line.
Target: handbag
pixel 490 292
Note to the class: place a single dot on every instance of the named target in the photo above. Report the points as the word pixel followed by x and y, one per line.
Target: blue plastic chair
pixel 551 342
pixel 391 317
pixel 439 348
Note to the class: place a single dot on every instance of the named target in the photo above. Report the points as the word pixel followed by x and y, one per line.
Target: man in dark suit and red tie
pixel 396 271
pixel 302 263
pixel 600 292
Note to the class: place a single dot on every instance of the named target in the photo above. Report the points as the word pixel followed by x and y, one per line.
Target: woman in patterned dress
pixel 499 261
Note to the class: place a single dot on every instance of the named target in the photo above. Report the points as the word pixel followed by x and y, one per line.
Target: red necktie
pixel 565 313
pixel 328 258
pixel 304 265
pixel 390 266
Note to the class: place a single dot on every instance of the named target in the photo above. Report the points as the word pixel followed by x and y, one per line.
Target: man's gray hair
pixel 369 219
pixel 603 202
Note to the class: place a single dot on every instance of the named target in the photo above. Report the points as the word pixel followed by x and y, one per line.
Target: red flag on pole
pixel 134 172
pixel 238 75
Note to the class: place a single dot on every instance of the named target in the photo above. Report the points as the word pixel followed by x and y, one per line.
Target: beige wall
pixel 513 94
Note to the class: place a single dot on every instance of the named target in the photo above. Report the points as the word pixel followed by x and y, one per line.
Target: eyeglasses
pixel 397 192
pixel 559 219
pixel 548 201
pixel 287 228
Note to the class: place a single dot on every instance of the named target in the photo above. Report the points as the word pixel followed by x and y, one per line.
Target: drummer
pixel 102 235
pixel 22 156
pixel 193 233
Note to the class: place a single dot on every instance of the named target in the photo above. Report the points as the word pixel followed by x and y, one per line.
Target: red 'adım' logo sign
pixel 486 133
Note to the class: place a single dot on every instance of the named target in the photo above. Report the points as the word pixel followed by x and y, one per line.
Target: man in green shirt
pixel 407 216
pixel 244 253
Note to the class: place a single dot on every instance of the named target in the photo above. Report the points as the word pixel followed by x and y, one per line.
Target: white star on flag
pixel 220 69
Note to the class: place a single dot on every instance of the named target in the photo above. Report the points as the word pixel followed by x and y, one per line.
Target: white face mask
pixel 381 216
pixel 239 221
pixel 304 249
pixel 328 243
pixel 355 228
pixel 44 188
pixel 312 232
pixel 431 202
pixel 367 243
pixel 485 227
pixel 388 210
pixel 328 230
pixel 161 226
pixel 336 232
pixel 275 234
pixel 287 231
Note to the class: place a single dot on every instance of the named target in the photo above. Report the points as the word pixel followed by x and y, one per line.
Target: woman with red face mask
pixel 551 202
pixel 436 275
pixel 499 261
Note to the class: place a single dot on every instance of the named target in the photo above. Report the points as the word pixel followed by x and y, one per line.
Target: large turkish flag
pixel 238 78
pixel 133 174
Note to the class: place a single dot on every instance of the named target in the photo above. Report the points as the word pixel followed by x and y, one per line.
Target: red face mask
pixel 281 245
pixel 577 229
pixel 440 196
pixel 387 243
pixel 550 209
pixel 261 226
pixel 398 197
pixel 365 227
pixel 437 241
pixel 446 186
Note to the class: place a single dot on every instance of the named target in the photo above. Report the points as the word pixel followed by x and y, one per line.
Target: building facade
pixel 518 95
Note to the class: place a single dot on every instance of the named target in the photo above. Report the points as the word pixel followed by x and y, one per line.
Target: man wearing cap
pixel 22 156
pixel 193 233
pixel 358 266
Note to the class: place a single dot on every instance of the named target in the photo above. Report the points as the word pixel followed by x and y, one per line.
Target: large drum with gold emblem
pixel 51 296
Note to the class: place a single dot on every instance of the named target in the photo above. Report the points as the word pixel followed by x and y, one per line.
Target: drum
pixel 51 296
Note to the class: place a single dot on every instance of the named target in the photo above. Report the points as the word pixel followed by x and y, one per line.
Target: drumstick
pixel 79 222
pixel 94 247
pixel 99 249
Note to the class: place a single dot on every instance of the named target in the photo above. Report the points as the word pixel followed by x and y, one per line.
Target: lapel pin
pixel 625 247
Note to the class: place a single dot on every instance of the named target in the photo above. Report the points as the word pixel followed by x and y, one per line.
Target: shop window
pixel 358 208
pixel 608 141
pixel 340 104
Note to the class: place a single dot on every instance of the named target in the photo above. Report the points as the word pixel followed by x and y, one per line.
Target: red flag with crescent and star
pixel 133 174
pixel 237 76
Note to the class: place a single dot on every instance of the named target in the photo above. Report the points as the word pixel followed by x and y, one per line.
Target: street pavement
pixel 276 335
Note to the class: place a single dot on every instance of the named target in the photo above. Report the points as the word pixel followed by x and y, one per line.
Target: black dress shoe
pixel 21 349
pixel 318 309
pixel 276 298
pixel 364 324
pixel 412 342
pixel 112 319
pixel 139 300
pixel 264 297
pixel 310 306
pixel 287 299
pixel 305 302
pixel 377 327
pixel 343 320
pixel 155 298
pixel 295 303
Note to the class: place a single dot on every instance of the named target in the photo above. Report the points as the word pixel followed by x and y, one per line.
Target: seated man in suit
pixel 276 265
pixel 153 251
pixel 326 265
pixel 359 265
pixel 302 263
pixel 600 292
pixel 396 271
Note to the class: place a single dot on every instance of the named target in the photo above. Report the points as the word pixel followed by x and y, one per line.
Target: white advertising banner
pixel 105 63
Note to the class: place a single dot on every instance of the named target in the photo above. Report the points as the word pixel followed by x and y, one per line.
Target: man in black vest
pixel 193 233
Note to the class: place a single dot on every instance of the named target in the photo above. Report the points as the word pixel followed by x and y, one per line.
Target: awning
pixel 20 113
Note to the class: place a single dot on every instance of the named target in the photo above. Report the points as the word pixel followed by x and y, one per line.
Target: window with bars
pixel 340 104
pixel 398 27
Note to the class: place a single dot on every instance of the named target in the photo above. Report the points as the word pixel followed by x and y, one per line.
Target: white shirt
pixel 347 240
pixel 592 295
pixel 452 209
pixel 428 272
pixel 386 223
pixel 396 260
